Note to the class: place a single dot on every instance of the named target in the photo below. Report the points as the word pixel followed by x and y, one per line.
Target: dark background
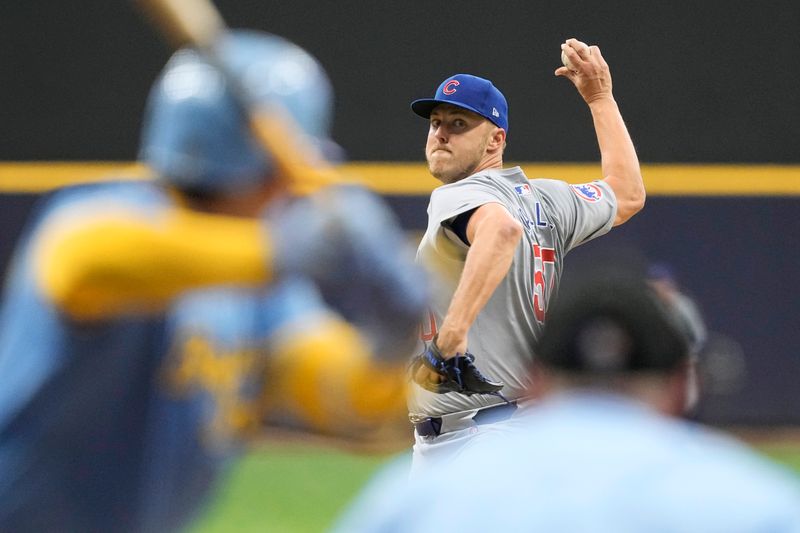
pixel 698 82
pixel 703 81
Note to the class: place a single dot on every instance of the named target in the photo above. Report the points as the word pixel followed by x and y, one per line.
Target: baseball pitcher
pixel 496 243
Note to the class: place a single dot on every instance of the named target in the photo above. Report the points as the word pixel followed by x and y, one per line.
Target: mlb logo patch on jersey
pixel 523 190
pixel 588 192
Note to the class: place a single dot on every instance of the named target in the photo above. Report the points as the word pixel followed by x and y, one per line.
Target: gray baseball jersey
pixel 556 217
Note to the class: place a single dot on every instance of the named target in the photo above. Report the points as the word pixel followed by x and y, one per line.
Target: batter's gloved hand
pixel 456 374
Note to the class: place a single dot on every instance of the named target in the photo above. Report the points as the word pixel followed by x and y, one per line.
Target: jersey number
pixel 544 263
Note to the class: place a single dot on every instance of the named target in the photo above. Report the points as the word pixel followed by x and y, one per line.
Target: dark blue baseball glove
pixel 456 374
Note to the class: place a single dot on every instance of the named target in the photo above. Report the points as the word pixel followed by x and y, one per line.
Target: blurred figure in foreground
pixel 604 451
pixel 148 328
pixel 689 318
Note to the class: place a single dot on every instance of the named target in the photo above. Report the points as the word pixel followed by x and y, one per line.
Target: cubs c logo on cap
pixel 450 87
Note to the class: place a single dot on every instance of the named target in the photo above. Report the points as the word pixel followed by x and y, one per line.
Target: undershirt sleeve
pixel 459 225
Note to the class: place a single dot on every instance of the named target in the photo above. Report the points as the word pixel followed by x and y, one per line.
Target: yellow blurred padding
pixel 410 179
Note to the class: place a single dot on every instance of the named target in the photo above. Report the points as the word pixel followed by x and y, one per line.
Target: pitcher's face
pixel 457 141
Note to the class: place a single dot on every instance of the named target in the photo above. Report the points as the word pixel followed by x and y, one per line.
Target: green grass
pixel 288 488
pixel 786 454
pixel 294 488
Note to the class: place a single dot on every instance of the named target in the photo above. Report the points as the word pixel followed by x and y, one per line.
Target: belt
pixel 432 426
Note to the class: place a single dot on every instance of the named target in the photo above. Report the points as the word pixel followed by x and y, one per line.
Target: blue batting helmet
pixel 196 136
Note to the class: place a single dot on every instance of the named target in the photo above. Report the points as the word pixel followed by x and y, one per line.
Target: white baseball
pixel 565 61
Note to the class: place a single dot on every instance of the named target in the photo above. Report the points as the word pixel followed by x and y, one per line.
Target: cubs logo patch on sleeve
pixel 588 192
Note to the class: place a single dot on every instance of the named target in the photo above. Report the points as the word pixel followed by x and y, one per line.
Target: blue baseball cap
pixel 469 92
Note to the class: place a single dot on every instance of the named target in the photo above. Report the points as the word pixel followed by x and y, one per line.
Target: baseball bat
pixel 198 23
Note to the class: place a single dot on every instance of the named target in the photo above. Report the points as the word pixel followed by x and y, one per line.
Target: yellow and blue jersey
pixel 140 344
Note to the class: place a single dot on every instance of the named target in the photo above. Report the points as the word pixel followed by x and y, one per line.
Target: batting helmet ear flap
pixel 197 137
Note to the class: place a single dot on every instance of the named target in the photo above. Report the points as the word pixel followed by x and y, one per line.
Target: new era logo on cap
pixel 469 92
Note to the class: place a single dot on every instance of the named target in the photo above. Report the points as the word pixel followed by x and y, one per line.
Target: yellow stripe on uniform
pixel 116 263
pixel 325 377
